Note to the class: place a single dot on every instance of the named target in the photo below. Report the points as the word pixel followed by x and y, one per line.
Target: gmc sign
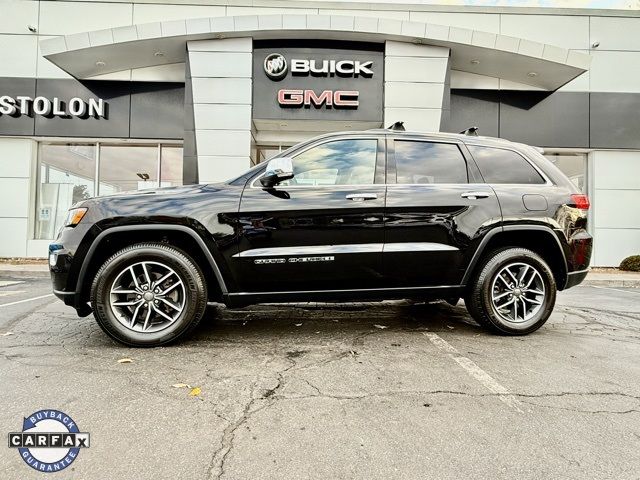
pixel 328 98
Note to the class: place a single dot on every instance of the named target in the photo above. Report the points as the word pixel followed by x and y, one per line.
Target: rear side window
pixel 504 166
pixel 419 162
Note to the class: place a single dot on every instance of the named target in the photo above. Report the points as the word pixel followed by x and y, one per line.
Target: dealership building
pixel 102 97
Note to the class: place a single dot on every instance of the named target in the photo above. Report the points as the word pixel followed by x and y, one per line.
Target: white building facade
pixel 101 97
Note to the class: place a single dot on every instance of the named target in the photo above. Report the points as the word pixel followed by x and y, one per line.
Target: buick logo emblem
pixel 275 66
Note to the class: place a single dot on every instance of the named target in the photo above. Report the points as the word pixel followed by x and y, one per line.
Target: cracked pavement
pixel 319 391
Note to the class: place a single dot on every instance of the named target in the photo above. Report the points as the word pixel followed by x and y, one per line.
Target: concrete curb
pixel 613 282
pixel 24 271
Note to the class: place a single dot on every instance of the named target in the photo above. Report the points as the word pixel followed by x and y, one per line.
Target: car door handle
pixel 360 197
pixel 474 195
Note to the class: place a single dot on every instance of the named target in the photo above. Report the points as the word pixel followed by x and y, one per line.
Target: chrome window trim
pixel 412 137
pixel 465 185
pixel 346 186
pixel 396 247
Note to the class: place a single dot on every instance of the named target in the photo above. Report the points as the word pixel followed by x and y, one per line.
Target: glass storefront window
pixel 573 165
pixel 266 153
pixel 127 167
pixel 170 166
pixel 67 174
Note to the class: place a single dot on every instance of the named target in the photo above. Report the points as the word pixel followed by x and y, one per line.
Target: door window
pixel 419 162
pixel 341 162
pixel 504 166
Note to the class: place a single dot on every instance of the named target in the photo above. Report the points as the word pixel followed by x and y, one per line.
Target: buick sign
pixel 275 66
pixel 330 68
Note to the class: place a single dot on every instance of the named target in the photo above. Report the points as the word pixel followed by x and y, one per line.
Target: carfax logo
pixel 50 440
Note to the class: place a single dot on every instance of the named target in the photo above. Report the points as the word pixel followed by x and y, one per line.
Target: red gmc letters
pixel 327 98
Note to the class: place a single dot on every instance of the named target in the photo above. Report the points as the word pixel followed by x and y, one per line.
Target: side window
pixel 504 166
pixel 341 162
pixel 427 162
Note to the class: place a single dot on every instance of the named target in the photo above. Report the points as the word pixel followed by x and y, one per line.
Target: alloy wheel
pixel 147 297
pixel 517 292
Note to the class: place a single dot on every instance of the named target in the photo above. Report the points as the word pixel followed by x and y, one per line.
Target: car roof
pixel 472 139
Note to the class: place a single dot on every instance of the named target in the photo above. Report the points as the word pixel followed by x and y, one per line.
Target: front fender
pixel 104 234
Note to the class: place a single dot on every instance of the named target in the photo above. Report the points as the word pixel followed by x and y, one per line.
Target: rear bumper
pixel 575 278
pixel 579 255
pixel 578 258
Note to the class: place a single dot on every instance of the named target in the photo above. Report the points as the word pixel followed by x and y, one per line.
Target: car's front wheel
pixel 148 295
pixel 513 293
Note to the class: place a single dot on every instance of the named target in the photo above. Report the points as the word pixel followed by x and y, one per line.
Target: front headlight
pixel 74 216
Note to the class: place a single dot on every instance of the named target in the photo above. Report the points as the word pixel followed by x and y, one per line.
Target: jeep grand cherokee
pixel 378 214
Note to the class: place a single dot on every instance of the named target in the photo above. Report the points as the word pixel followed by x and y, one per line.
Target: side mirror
pixel 278 170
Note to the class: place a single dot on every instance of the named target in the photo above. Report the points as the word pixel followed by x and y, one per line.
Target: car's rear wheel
pixel 148 295
pixel 513 293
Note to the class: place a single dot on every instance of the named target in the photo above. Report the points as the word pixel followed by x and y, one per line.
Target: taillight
pixel 581 201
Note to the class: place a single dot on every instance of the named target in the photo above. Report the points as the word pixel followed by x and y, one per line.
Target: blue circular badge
pixel 50 440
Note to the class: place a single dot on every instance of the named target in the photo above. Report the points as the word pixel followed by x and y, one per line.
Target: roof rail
pixel 397 126
pixel 471 131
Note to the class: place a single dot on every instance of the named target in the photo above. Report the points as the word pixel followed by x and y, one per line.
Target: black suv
pixel 378 214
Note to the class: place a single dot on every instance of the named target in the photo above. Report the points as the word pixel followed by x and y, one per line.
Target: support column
pixel 416 86
pixel 16 194
pixel 189 152
pixel 219 73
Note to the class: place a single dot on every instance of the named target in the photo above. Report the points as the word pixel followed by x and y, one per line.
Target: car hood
pixel 157 191
pixel 163 204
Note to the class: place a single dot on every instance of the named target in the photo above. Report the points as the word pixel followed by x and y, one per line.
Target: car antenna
pixel 471 131
pixel 397 126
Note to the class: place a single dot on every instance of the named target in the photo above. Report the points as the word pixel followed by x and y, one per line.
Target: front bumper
pixel 60 261
pixel 59 265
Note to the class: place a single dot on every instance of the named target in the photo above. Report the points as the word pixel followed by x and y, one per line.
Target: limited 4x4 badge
pixel 50 440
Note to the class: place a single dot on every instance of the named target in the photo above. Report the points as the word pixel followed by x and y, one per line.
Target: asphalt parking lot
pixel 356 391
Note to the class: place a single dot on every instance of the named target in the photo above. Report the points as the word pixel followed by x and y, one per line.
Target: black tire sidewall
pixel 485 281
pixel 195 294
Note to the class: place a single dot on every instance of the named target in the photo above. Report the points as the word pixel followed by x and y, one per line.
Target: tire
pixel 157 286
pixel 495 301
